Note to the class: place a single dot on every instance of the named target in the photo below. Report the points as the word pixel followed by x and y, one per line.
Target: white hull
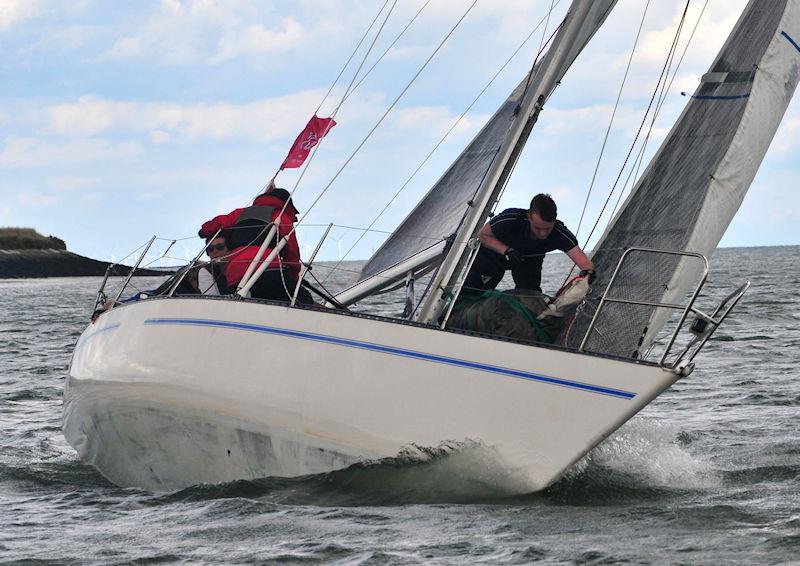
pixel 168 393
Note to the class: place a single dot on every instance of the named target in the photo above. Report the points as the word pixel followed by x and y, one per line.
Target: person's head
pixel 216 247
pixel 542 215
pixel 282 194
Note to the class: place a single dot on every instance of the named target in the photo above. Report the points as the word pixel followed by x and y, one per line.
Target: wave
pixel 455 472
pixel 644 459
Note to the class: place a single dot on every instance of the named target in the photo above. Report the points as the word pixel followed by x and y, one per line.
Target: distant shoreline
pixel 42 263
pixel 761 246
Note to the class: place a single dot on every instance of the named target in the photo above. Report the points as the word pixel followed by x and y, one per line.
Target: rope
pixel 310 158
pixel 541 47
pixel 369 134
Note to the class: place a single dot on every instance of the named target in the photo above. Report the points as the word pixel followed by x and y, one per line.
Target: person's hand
pixel 588 273
pixel 513 257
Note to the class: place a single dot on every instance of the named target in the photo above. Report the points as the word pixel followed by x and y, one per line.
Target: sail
pixel 439 213
pixel 696 182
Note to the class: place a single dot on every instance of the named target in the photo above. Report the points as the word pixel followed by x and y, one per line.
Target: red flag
pixel 314 131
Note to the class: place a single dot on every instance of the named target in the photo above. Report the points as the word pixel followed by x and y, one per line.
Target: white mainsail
pixel 696 182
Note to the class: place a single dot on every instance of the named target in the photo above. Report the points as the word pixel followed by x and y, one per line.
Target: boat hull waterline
pixel 167 393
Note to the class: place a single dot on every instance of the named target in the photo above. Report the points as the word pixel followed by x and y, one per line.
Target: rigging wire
pixel 662 78
pixel 613 115
pixel 385 114
pixel 541 46
pixel 341 101
pixel 389 48
pixel 355 50
pixel 658 97
pixel 640 158
pixel 514 163
pixel 369 134
pixel 364 60
pixel 339 106
pixel 546 24
pixel 450 130
pixel 310 158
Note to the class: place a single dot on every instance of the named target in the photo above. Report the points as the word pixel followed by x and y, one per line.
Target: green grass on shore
pixel 28 239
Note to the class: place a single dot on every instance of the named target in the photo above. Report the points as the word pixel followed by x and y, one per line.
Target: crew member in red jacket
pixel 244 230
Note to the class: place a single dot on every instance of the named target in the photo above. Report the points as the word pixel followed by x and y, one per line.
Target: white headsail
pixel 696 182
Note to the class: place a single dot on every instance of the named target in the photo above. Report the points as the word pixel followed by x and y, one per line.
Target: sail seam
pixel 392 350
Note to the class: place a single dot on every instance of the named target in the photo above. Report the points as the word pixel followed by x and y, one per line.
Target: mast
pixel 583 19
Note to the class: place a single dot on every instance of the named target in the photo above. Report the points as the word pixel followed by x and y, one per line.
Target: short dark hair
pixel 545 206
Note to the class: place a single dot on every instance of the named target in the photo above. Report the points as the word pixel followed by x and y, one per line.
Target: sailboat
pixel 147 408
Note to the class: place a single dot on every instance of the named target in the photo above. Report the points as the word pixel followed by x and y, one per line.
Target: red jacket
pixel 241 258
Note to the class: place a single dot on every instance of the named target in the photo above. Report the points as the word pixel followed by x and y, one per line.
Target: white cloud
pixel 158 137
pixel 718 20
pixel 262 120
pixel 256 39
pixel 201 31
pixel 71 183
pixel 148 196
pixel 788 135
pixel 13 12
pixel 592 118
pixel 435 119
pixel 32 152
pixel 66 38
pixel 36 199
pixel 563 194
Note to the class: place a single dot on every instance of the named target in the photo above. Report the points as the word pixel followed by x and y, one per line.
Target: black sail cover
pixel 439 213
pixel 696 182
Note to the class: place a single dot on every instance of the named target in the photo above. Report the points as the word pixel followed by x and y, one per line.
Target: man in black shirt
pixel 518 239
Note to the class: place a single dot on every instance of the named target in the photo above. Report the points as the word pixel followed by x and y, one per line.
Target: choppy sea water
pixel 708 473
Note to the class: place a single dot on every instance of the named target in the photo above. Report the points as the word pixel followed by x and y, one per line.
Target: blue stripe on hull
pixel 619 393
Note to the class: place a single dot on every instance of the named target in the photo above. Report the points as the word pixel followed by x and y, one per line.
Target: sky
pixel 120 121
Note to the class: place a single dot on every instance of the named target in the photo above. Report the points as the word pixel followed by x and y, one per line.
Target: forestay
pixel 695 184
